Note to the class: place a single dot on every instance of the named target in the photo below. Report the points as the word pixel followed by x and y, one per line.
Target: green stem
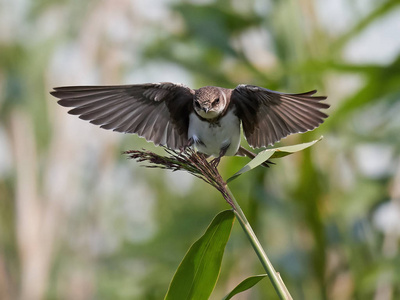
pixel 275 278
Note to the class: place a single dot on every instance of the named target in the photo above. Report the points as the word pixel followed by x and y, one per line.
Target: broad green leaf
pixel 245 285
pixel 271 153
pixel 198 272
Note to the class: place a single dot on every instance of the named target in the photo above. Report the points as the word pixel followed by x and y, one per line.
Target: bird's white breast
pixel 213 137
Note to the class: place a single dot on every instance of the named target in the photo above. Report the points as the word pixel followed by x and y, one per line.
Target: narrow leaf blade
pixel 271 153
pixel 287 150
pixel 198 272
pixel 255 162
pixel 245 285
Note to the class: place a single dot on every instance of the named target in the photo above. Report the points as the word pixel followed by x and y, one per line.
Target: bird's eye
pixel 216 101
pixel 197 104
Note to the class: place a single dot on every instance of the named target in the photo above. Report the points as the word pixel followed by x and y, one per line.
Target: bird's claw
pixel 215 162
pixel 189 144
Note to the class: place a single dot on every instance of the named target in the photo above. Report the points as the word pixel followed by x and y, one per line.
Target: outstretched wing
pixel 159 112
pixel 268 116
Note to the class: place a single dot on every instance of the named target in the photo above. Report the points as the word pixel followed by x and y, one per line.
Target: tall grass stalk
pixel 197 165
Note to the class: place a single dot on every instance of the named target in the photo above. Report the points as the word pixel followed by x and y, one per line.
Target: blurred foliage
pixel 78 221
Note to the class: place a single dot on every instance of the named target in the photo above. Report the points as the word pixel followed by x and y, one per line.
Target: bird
pixel 208 119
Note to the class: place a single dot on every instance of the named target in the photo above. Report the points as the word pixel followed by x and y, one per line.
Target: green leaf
pixel 245 285
pixel 198 272
pixel 271 153
pixel 287 150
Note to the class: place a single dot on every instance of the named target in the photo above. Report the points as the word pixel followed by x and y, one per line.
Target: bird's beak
pixel 206 109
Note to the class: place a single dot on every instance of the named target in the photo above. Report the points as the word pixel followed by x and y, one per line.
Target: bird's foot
pixel 189 144
pixel 222 152
pixel 215 162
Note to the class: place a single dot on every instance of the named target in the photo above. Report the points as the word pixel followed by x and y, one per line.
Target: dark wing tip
pixel 64 89
pixel 84 87
pixel 64 102
pixel 324 105
pixel 60 92
pixel 54 93
pixel 310 93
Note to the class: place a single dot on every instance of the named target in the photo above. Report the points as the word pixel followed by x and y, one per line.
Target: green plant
pixel 198 272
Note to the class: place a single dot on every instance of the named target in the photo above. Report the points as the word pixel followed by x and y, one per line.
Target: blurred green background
pixel 80 221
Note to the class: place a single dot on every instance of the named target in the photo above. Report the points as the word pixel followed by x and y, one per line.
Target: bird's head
pixel 209 102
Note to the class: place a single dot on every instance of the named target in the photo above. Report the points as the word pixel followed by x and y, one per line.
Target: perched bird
pixel 208 118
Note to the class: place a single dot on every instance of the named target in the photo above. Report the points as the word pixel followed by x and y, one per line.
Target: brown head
pixel 210 102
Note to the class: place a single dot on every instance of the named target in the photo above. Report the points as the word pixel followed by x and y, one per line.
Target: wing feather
pixel 159 112
pixel 268 116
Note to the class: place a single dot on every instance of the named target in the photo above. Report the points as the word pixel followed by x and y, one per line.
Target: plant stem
pixel 275 278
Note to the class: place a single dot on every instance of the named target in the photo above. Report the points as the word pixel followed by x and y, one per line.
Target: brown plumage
pixel 168 114
pixel 268 116
pixel 157 112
